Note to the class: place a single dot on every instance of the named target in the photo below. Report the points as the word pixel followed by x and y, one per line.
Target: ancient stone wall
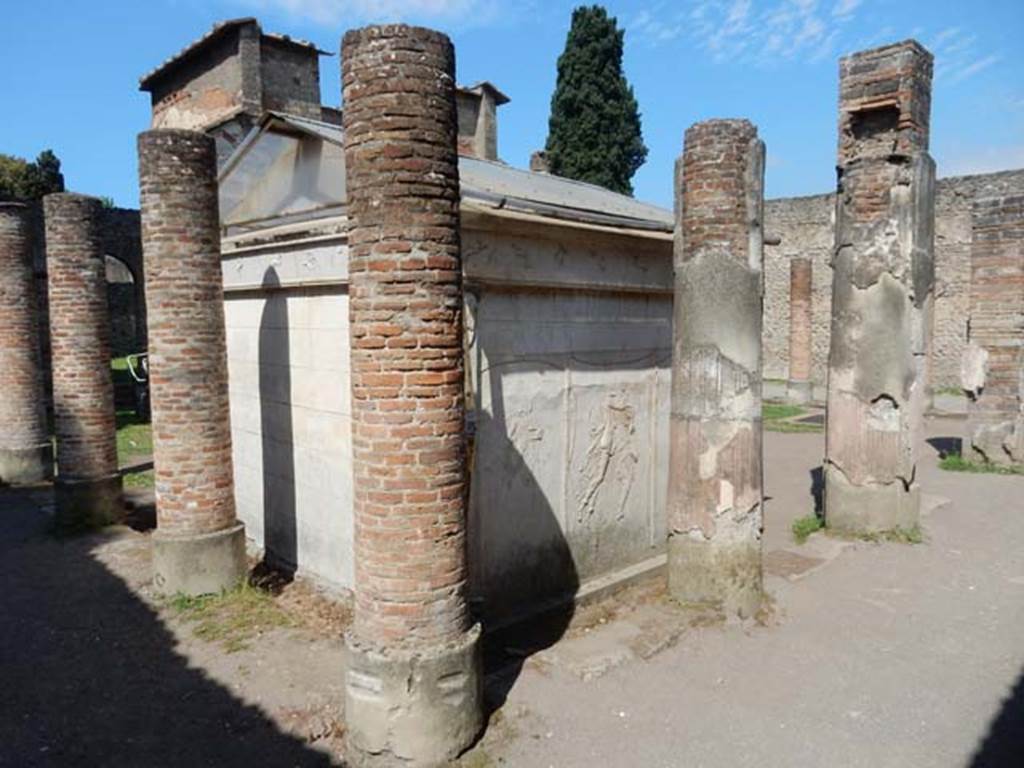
pixel 806 225
pixel 290 78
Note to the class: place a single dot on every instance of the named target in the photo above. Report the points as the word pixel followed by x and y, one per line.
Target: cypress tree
pixel 594 129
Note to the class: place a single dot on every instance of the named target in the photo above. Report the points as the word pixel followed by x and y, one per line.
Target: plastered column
pixel 715 475
pixel 413 692
pixel 88 484
pixel 26 453
pixel 993 368
pixel 199 545
pixel 799 386
pixel 881 292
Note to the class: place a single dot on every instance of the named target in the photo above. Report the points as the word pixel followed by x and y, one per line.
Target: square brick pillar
pixel 882 290
pixel 26 452
pixel 88 485
pixel 715 491
pixel 413 687
pixel 799 388
pixel 199 545
pixel 993 368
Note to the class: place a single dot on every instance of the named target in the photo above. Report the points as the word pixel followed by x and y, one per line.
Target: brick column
pixel 88 487
pixel 26 453
pixel 882 290
pixel 199 545
pixel 994 360
pixel 799 388
pixel 413 689
pixel 715 470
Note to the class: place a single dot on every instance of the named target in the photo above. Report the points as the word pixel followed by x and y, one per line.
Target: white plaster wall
pixel 569 392
pixel 291 424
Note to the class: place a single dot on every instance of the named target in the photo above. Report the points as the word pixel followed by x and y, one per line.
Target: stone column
pixel 799 388
pixel 88 486
pixel 715 469
pixel 199 545
pixel 413 692
pixel 26 453
pixel 993 368
pixel 881 292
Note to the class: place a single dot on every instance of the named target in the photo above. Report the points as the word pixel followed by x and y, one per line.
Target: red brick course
pixel 997 326
pixel 800 287
pixel 22 405
pixel 187 347
pixel 83 392
pixel 406 333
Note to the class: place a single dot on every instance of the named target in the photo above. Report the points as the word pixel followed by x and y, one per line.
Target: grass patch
pixel 231 619
pixel 119 371
pixel 134 443
pixel 956 391
pixel 774 417
pixel 804 526
pixel 914 535
pixel 954 462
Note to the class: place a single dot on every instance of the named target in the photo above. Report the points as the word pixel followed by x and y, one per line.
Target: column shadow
pixel 1003 745
pixel 280 529
pixel 91 676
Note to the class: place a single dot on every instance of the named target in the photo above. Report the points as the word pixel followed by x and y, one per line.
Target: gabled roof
pixel 219 30
pixel 496 185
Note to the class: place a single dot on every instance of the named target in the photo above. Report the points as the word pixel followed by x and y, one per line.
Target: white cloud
pixel 760 33
pixel 958 56
pixel 843 9
pixel 340 11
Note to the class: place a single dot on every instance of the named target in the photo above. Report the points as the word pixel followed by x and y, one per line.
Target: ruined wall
pixel 805 225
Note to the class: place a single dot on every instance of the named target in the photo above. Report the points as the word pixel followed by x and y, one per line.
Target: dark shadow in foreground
pixel 818 490
pixel 1003 745
pixel 946 446
pixel 90 674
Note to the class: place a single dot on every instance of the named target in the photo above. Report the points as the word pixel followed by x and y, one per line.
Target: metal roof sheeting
pixel 497 185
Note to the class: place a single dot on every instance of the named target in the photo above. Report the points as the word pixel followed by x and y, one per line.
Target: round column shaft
pixel 199 545
pixel 88 486
pixel 715 478
pixel 799 388
pixel 413 690
pixel 26 452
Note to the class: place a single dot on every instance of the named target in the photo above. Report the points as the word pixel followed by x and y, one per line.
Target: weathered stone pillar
pixel 199 545
pixel 799 389
pixel 715 469
pixel 882 290
pixel 413 691
pixel 993 370
pixel 88 486
pixel 26 453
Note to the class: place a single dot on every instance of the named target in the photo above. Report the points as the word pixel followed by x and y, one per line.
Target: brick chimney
pixel 223 82
pixel 478 120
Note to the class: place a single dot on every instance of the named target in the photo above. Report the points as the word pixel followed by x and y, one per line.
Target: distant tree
pixel 594 128
pixel 22 180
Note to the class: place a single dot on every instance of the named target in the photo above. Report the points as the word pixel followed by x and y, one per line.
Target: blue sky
pixel 70 73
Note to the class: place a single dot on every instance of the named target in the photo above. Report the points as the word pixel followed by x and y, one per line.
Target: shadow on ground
pixel 1003 745
pixel 90 674
pixel 946 446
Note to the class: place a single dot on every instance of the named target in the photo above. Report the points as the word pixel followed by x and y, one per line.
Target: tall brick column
pixel 88 487
pixel 26 453
pixel 413 689
pixel 799 388
pixel 994 360
pixel 199 545
pixel 882 290
pixel 715 469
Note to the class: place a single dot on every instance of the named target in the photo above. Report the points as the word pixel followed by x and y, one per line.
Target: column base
pixel 724 576
pixel 199 564
pixel 413 708
pixel 799 392
pixel 860 510
pixel 24 466
pixel 86 504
